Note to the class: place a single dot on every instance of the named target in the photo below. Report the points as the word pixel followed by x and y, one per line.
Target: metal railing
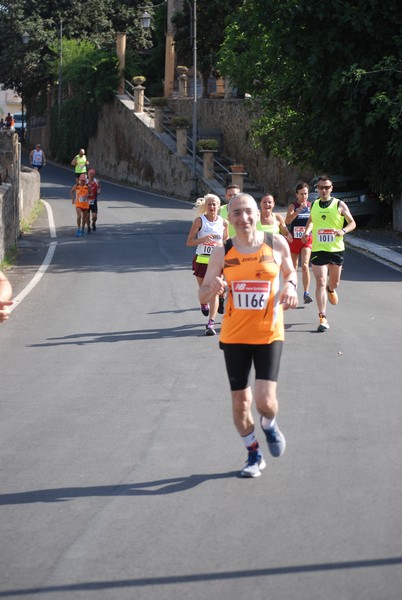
pixel 220 176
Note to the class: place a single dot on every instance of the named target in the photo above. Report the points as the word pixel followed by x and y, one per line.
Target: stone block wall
pixel 18 191
pixel 9 190
pixel 127 149
pixel 231 117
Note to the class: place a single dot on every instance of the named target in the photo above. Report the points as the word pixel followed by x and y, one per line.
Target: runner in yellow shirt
pixel 327 223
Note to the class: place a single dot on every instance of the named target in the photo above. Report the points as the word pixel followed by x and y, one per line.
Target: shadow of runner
pixel 158 487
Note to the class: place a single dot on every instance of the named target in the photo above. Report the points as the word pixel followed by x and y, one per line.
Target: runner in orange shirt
pixel 79 197
pixel 248 266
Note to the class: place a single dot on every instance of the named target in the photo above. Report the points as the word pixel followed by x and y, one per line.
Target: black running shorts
pixel 321 258
pixel 239 359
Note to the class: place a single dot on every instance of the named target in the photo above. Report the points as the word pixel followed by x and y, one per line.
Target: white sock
pixel 267 423
pixel 250 439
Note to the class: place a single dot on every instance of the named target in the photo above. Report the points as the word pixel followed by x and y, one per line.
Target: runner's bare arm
pixel 213 281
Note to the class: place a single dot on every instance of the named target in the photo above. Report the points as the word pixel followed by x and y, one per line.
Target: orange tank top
pixel 253 314
pixel 81 196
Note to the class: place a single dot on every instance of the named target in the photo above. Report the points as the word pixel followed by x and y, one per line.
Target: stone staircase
pixel 222 172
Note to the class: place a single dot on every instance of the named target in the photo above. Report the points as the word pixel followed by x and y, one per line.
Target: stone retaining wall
pixel 18 191
pixel 127 148
pixel 231 119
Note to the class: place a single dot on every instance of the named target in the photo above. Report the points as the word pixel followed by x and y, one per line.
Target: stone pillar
pixel 183 86
pixel 397 213
pixel 181 141
pixel 208 163
pixel 158 119
pixel 139 99
pixel 237 179
pixel 121 55
pixel 228 89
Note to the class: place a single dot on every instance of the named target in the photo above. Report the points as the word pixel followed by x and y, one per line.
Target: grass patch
pixel 9 258
pixel 10 254
pixel 38 209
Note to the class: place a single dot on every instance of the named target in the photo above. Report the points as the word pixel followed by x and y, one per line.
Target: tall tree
pixel 326 78
pixel 36 64
pixel 211 20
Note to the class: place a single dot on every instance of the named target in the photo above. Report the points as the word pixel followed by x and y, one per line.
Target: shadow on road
pixel 159 487
pixel 83 339
pixel 202 577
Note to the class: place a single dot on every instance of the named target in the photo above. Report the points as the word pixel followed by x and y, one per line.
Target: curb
pixel 382 252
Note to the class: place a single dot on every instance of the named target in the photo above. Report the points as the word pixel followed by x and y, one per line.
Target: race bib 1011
pixel 325 235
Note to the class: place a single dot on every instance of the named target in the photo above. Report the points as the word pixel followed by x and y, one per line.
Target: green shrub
pixel 207 144
pixel 180 121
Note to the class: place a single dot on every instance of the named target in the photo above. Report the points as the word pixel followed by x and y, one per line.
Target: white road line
pixel 44 266
pixel 52 226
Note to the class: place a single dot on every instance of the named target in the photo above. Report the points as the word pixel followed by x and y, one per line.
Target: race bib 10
pixel 298 232
pixel 205 248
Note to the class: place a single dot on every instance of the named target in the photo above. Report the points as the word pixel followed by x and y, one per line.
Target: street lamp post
pixel 146 23
pixel 25 40
pixel 60 90
pixel 194 178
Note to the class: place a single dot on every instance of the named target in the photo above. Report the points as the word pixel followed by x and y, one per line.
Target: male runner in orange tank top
pixel 247 268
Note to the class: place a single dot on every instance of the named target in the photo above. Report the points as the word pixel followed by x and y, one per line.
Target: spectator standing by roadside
pixel 296 221
pixel 252 328
pixel 2 124
pixel 326 222
pixel 37 158
pixel 80 163
pixel 9 121
pixel 5 295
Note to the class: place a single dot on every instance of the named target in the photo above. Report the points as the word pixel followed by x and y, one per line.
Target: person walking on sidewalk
pixel 249 267
pixel 327 224
pixel 296 220
pixel 5 295
pixel 207 231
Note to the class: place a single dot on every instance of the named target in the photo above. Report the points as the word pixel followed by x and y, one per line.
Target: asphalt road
pixel 119 460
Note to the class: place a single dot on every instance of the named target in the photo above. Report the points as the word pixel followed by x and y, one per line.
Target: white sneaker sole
pixel 261 467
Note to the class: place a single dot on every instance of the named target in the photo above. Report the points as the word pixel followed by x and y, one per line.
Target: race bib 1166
pixel 250 295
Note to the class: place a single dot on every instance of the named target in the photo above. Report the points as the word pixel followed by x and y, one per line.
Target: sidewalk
pixel 383 243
